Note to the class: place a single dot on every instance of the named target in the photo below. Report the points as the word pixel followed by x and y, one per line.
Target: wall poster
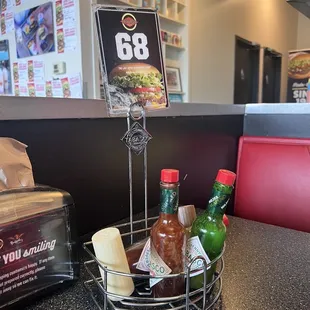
pixel 131 58
pixel 298 75
pixel 34 31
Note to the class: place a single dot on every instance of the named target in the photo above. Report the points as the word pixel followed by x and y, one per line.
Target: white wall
pixel 213 27
pixel 73 59
pixel 90 73
pixel 303 38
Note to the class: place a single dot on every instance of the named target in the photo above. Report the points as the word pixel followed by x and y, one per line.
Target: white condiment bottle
pixel 109 250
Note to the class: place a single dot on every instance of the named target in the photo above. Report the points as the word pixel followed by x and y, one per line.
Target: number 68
pixel 125 51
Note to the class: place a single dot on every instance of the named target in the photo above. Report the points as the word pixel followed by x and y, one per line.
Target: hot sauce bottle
pixel 168 240
pixel 209 226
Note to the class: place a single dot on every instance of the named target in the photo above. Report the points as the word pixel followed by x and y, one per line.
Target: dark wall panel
pixel 87 159
pixel 277 125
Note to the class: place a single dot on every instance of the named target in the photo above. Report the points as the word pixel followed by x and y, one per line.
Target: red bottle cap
pixel 226 177
pixel 225 220
pixel 169 176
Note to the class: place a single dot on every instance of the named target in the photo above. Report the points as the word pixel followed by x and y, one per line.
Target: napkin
pixel 15 166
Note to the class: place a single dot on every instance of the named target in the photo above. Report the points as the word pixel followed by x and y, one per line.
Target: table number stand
pixel 136 139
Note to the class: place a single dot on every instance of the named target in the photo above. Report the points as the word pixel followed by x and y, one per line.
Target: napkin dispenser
pixel 38 244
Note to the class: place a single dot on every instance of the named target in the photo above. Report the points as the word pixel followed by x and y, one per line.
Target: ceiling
pixel 302 6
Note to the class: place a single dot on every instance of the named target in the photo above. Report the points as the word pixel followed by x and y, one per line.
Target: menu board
pixel 298 75
pixel 131 59
pixel 36 33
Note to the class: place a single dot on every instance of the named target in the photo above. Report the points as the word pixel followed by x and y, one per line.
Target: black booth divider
pixel 86 157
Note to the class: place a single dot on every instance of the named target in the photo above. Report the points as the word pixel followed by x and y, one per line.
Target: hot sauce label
pixel 194 249
pixel 145 257
pixel 169 200
pixel 219 198
pixel 157 266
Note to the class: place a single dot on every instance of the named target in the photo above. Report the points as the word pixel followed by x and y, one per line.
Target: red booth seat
pixel 273 181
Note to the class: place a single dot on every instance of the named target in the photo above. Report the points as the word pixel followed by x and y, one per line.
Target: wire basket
pixel 141 299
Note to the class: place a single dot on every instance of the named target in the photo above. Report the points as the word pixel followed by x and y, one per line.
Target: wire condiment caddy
pixel 201 299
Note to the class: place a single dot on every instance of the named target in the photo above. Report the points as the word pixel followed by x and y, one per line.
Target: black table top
pixel 266 267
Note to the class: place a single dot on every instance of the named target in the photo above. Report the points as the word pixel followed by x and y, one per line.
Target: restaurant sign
pixel 298 75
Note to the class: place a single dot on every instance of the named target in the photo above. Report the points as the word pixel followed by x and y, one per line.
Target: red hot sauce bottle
pixel 168 239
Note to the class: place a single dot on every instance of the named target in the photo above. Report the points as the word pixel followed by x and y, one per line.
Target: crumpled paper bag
pixel 15 166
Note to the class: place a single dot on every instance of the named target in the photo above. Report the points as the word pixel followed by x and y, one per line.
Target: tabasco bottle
pixel 168 240
pixel 209 226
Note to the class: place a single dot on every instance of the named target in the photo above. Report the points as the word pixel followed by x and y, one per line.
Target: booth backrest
pixel 273 181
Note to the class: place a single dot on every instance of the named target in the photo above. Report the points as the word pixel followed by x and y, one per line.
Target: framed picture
pixel 174 79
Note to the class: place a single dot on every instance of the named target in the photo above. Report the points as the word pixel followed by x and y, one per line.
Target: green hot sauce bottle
pixel 209 226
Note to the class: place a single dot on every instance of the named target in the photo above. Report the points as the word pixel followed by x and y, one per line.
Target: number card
pixel 131 58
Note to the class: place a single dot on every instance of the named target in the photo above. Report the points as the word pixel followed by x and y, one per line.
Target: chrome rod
pixel 151 299
pixel 216 298
pixel 136 222
pixel 105 285
pixel 92 295
pixel 147 276
pixel 130 184
pixel 187 288
pixel 145 180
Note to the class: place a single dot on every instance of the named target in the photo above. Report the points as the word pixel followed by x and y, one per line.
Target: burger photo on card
pixel 3 5
pixel 49 89
pixel 142 82
pixel 15 72
pixel 66 87
pixel 59 13
pixel 30 71
pixel 31 90
pixel 60 41
pixel 299 66
pixel 16 90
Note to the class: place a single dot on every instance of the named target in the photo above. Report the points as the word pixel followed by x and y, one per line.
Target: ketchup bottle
pixel 168 240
